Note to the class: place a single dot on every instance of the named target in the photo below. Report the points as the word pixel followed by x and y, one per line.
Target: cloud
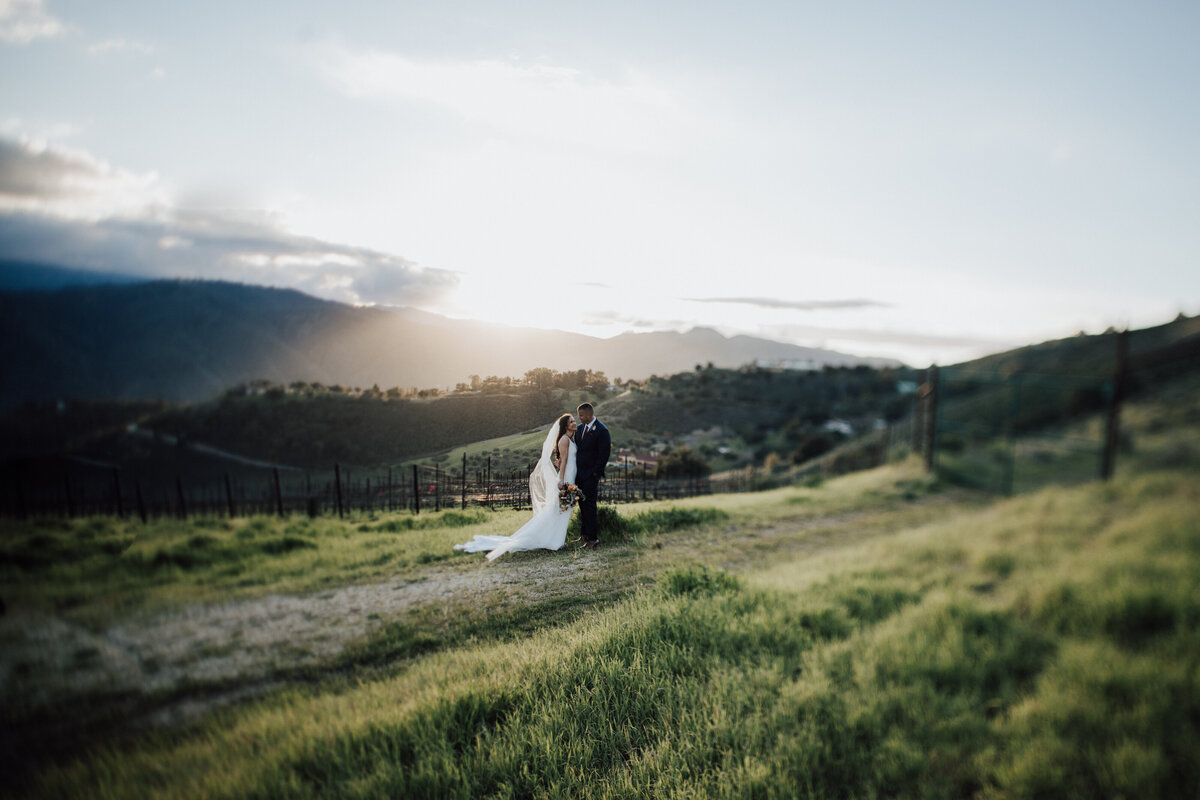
pixel 881 336
pixel 611 319
pixel 799 305
pixel 67 208
pixel 22 21
pixel 56 180
pixel 210 246
pixel 545 101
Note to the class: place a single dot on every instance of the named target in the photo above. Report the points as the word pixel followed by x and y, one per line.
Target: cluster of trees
pixel 762 404
pixel 541 378
pixel 272 389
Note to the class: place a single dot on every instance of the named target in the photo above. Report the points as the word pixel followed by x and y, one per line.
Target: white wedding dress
pixel 548 527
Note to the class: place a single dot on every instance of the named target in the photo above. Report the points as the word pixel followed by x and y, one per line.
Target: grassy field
pixel 879 634
pixel 508 452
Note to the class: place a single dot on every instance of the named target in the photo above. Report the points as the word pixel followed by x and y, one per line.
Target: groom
pixel 593 447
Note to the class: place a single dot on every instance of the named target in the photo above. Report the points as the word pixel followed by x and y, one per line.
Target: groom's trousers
pixel 589 525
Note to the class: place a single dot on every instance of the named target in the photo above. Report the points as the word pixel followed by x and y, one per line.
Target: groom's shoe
pixel 592 544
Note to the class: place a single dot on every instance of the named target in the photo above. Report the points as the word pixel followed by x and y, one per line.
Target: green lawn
pixel 878 634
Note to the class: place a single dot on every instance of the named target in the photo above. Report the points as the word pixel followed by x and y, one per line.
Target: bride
pixel 548 527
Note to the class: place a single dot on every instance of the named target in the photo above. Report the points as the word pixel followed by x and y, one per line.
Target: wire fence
pixel 1001 431
pixel 85 491
pixel 1013 431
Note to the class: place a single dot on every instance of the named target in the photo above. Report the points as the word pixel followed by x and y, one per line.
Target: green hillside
pixel 730 417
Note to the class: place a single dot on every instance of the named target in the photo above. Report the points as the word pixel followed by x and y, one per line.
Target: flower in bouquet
pixel 568 496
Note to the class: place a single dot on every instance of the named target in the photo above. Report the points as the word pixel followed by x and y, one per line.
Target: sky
pixel 928 181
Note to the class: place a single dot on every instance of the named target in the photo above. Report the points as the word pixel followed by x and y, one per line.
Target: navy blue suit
pixel 591 457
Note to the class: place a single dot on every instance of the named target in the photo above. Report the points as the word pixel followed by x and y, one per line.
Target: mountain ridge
pixel 189 340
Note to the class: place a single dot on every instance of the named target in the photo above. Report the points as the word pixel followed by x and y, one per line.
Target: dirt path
pixel 45 659
pixel 207 655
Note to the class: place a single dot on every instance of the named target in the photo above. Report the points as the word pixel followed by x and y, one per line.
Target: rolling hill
pixel 191 340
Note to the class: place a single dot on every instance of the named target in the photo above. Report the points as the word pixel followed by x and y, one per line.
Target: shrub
pixel 671 519
pixel 393 525
pixel 448 519
pixel 697 581
pixel 813 445
pixel 683 462
pixel 459 519
pixel 285 545
pixel 613 527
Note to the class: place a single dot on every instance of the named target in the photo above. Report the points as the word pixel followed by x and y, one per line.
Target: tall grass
pixel 99 566
pixel 1047 645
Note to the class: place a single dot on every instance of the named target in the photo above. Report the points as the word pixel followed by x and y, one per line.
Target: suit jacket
pixel 592 453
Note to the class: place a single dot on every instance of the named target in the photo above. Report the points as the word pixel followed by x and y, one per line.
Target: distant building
pixel 637 460
pixel 839 426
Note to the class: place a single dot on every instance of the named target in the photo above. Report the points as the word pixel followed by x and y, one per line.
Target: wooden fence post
pixel 182 502
pixel 918 423
pixel 117 491
pixel 229 497
pixel 389 490
pixel 278 493
pixel 337 482
pixel 930 422
pixel 1113 428
pixel 464 482
pixel 437 487
pixel 416 492
pixel 489 483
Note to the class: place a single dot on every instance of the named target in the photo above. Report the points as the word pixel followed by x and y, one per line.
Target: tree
pixel 596 381
pixel 683 462
pixel 814 445
pixel 540 378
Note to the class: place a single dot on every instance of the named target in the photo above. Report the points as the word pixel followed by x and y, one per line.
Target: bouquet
pixel 568 495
